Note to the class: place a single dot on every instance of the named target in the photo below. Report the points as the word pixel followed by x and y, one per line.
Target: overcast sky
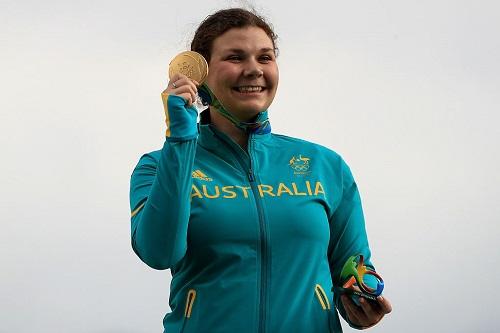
pixel 406 91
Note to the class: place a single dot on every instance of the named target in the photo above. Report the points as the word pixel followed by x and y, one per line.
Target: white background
pixel 406 91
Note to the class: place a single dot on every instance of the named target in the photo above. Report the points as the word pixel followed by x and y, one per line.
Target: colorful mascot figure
pixel 353 274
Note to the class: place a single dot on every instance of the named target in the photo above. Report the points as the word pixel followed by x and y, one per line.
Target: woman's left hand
pixel 368 313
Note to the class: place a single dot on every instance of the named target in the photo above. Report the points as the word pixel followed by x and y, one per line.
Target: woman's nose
pixel 253 69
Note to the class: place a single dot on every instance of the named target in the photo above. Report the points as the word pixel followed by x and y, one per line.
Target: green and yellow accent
pixel 135 211
pixel 191 296
pixel 198 174
pixel 323 299
pixel 164 98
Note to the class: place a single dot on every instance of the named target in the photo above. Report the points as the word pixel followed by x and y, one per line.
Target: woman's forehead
pixel 242 40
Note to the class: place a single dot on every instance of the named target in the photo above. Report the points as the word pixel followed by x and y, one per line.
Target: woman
pixel 254 226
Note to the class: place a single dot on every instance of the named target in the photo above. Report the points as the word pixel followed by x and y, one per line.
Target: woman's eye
pixel 266 58
pixel 234 58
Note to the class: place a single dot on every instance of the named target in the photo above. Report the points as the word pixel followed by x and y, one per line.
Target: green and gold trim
pixel 135 211
pixel 191 296
pixel 323 299
pixel 164 98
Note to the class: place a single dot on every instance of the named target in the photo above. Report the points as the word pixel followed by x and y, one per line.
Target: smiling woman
pixel 243 71
pixel 254 226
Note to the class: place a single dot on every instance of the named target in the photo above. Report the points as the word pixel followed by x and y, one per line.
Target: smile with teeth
pixel 249 89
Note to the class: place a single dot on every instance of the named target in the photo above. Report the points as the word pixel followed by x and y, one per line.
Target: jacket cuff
pixel 181 120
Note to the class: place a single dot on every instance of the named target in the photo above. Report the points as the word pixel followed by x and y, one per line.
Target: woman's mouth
pixel 249 89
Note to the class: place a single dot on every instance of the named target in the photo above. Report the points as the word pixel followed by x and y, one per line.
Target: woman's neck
pixel 227 127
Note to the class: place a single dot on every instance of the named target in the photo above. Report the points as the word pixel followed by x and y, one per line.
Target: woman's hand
pixel 368 313
pixel 182 86
pixel 180 117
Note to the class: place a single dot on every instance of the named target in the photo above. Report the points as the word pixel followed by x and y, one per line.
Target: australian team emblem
pixel 300 165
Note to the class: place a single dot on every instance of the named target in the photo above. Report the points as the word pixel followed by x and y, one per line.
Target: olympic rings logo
pixel 300 164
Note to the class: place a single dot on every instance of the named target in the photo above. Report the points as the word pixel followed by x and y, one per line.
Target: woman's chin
pixel 247 114
pixel 247 110
pixel 248 105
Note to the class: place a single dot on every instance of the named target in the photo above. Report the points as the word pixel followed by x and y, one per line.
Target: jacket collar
pixel 208 133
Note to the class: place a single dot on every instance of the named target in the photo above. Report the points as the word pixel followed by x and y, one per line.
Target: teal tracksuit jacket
pixel 255 239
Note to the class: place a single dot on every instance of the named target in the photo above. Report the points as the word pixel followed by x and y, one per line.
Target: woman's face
pixel 243 73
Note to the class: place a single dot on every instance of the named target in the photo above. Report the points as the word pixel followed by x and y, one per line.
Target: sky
pixel 406 91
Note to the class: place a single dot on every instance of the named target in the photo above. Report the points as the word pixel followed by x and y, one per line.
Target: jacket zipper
pixel 264 246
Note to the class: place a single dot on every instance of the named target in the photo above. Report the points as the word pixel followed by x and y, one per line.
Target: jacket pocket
pixel 190 298
pixel 322 298
pixel 321 311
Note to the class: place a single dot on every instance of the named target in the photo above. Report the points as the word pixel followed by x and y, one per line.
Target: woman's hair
pixel 223 20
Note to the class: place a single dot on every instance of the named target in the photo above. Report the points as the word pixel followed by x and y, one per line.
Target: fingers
pixel 183 86
pixel 368 313
pixel 384 304
pixel 372 310
pixel 354 312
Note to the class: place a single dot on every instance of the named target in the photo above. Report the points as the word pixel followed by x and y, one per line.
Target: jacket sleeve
pixel 347 234
pixel 160 189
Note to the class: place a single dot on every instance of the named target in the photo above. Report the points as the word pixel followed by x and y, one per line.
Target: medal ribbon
pixel 260 126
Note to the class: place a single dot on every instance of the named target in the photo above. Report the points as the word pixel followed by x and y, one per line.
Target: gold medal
pixel 189 63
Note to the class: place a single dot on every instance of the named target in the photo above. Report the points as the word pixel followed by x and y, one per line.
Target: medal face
pixel 189 63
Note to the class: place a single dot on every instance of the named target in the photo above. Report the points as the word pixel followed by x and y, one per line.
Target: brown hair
pixel 221 21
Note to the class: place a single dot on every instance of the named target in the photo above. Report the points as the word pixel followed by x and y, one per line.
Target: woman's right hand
pixel 182 86
pixel 180 114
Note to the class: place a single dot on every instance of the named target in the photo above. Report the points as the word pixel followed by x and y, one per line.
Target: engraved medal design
pixel 189 63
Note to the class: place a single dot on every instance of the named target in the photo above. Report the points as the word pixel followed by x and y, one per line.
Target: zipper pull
pixel 250 175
